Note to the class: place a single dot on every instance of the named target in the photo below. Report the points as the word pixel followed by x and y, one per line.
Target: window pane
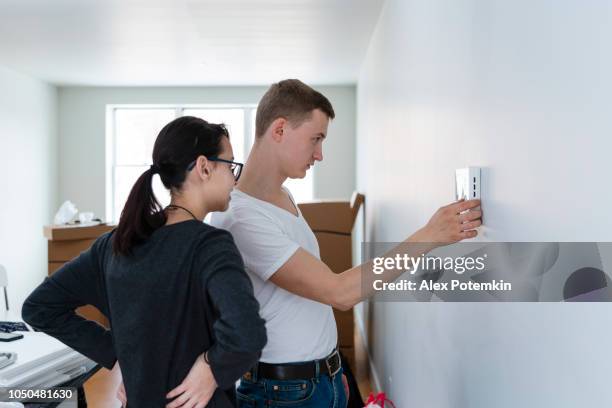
pixel 233 120
pixel 135 133
pixel 301 189
pixel 125 177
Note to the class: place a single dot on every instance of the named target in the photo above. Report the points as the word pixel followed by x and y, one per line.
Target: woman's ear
pixel 203 167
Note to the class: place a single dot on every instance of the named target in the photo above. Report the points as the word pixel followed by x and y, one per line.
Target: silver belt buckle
pixel 337 355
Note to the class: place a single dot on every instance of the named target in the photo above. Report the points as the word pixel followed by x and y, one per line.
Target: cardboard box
pixel 332 223
pixel 346 327
pixel 349 354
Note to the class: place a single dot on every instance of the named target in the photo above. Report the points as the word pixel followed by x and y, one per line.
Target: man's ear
pixel 278 129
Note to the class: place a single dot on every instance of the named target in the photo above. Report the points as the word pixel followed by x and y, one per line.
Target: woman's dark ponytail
pixel 141 215
pixel 178 144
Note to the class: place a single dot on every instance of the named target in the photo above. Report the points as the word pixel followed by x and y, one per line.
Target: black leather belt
pixel 329 365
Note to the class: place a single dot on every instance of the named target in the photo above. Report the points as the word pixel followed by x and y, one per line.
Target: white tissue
pixel 66 213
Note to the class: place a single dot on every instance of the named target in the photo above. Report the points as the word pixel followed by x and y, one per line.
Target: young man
pixel 295 289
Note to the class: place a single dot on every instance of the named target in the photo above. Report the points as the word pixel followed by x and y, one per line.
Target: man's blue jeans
pixel 320 392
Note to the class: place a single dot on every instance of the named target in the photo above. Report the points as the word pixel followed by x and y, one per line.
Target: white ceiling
pixel 186 42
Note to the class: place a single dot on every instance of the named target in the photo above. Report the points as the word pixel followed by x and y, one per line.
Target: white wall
pixel 82 135
pixel 522 89
pixel 28 179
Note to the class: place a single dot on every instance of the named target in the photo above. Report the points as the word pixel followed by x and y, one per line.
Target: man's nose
pixel 318 153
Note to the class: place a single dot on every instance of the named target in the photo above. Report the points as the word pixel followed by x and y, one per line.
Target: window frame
pixel 249 110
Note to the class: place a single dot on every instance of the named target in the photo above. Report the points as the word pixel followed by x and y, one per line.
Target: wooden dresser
pixel 67 242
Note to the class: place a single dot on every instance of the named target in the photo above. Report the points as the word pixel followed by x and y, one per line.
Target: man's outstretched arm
pixel 307 276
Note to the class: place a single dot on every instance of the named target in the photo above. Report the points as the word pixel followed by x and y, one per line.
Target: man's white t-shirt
pixel 298 329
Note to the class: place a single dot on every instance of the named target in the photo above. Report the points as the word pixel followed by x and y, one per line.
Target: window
pixel 131 133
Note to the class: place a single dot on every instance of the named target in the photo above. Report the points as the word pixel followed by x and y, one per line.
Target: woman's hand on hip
pixel 197 388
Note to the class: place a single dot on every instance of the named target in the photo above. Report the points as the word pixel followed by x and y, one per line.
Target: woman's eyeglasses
pixel 235 167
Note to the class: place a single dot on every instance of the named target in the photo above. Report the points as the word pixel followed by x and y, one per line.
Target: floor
pixel 101 388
